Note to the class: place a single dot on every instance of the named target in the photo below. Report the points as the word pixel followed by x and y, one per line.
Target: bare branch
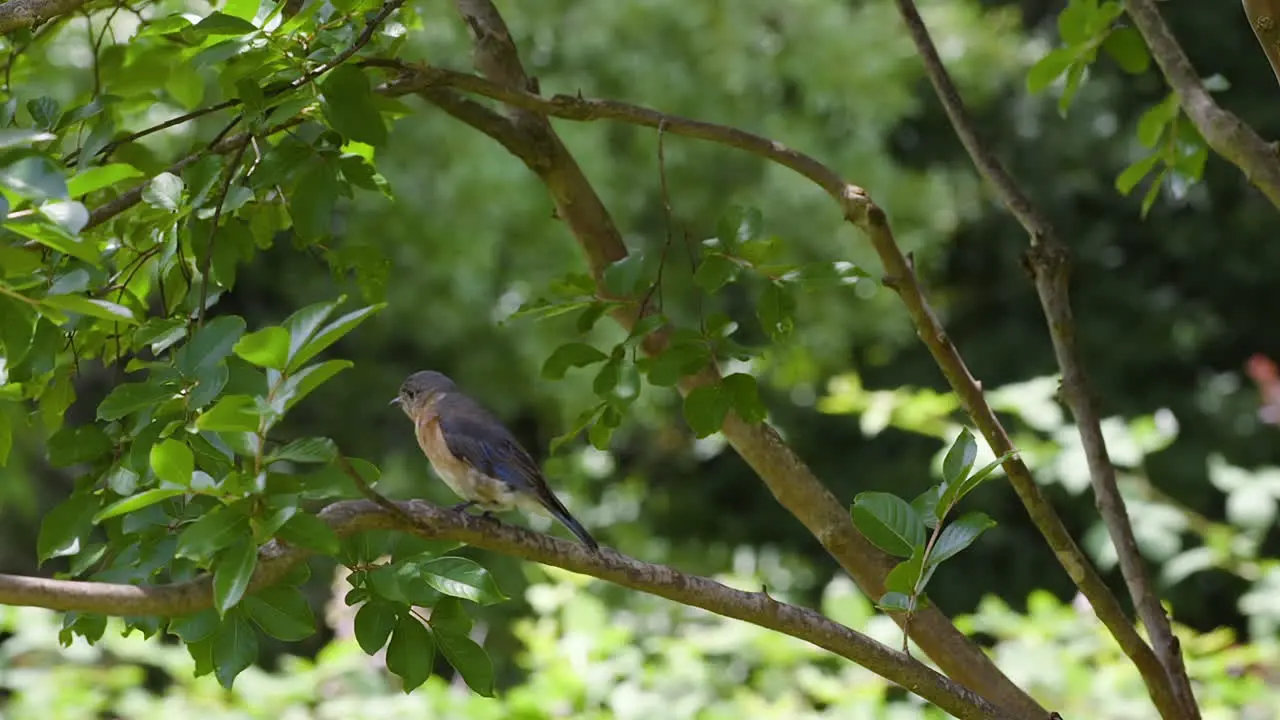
pixel 1264 18
pixel 436 523
pixel 1228 135
pixel 1048 263
pixel 16 14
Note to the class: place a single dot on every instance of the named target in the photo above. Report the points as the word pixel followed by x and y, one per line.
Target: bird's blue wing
pixel 477 438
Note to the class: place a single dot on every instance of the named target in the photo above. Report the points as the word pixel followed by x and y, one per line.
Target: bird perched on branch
pixel 475 455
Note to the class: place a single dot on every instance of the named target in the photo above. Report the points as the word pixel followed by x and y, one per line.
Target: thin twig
pixel 207 263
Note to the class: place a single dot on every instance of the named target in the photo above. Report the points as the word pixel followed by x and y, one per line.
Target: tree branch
pixel 1048 263
pixel 785 474
pixel 1264 18
pixel 16 14
pixel 436 523
pixel 1228 135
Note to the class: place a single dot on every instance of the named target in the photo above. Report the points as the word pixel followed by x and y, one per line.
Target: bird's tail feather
pixel 559 512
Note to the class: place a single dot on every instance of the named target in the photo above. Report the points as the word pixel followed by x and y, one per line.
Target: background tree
pixel 154 262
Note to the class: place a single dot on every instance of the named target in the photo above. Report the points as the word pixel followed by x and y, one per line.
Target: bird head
pixel 421 390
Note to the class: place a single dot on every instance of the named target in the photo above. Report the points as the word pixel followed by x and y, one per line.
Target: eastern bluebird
pixel 478 458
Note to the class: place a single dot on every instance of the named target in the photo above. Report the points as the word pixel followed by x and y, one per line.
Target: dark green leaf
pixel 235 647
pixel 738 225
pixel 958 535
pixel 302 383
pixel 268 347
pixel 744 395
pixel 214 531
pixel 136 502
pixel 282 613
pixel 308 531
pixel 705 408
pixel 17 325
pixel 607 378
pixel 55 238
pixel 44 112
pixel 70 446
pixel 329 335
pixel 570 355
pixel 312 200
pixel 232 413
pixel 469 659
pixel 132 397
pixel 896 601
pixel 36 178
pixel 194 628
pixel 625 277
pixel 889 522
pixel 307 450
pixel 220 24
pixel 959 459
pixel 232 573
pixel 905 576
pixel 776 308
pixel 715 271
pixel 677 361
pixel 210 345
pixel 63 527
pixel 373 625
pixel 22 137
pixel 349 106
pixel 173 462
pixel 411 652
pixel 461 578
pixel 956 492
pixel 926 505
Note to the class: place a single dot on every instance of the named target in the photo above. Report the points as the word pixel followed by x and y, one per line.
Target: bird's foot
pixel 488 515
pixel 463 507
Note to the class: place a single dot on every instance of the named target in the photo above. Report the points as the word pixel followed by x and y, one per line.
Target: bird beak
pixel 395 401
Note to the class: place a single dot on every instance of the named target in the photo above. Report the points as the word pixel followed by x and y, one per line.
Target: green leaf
pixel 282 613
pixel 373 625
pixel 744 395
pixel 307 450
pixel 349 106
pixel 312 200
pixel 1152 123
pixel 185 84
pixel 1049 68
pixel 308 531
pixel 235 647
pixel 65 525
pixel 626 276
pixel 35 177
pixel 738 225
pixel 268 348
pixel 926 505
pixel 210 344
pixel 677 361
pixel 6 437
pixel 219 24
pixel 329 335
pixel 1153 193
pixel 411 652
pixel 705 408
pixel 69 215
pixel 214 531
pixel 959 535
pixel 896 601
pixel 55 238
pixel 97 178
pixel 889 522
pixel 232 573
pixel 715 271
pixel 70 446
pixel 194 628
pixel 607 378
pixel 22 137
pixel 469 659
pixel 44 112
pixel 959 459
pixel 1127 48
pixel 1127 180
pixel 93 307
pixel 775 311
pixel 905 576
pixel 956 492
pixel 164 192
pixel 132 397
pixel 17 325
pixel 570 355
pixel 303 382
pixel 461 578
pixel 136 502
pixel 173 462
pixel 232 413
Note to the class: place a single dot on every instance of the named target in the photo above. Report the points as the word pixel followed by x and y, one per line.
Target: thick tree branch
pixel 1048 263
pixel 1264 18
pixel 436 523
pixel 785 474
pixel 1228 135
pixel 16 14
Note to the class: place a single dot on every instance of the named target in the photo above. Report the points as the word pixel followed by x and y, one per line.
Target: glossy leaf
pixel 461 578
pixel 308 531
pixel 268 347
pixel 235 647
pixel 131 397
pixel 232 413
pixel 214 531
pixel 173 462
pixel 373 625
pixel 958 535
pixel 959 458
pixel 411 652
pixel 571 355
pixel 282 613
pixel 330 334
pixel 136 502
pixel 889 522
pixel 232 573
pixel 705 408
